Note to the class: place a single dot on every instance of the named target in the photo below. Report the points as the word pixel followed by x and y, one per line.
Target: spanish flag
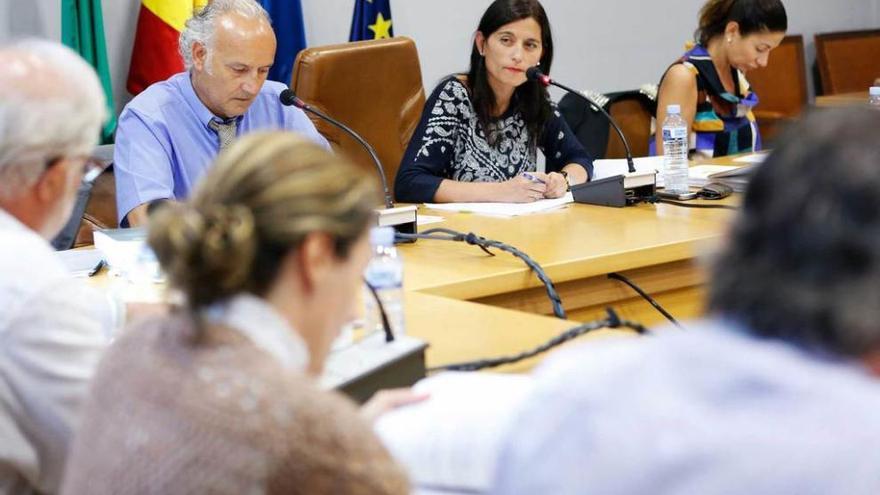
pixel 155 57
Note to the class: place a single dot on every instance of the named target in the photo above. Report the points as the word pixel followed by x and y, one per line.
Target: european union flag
pixel 371 20
pixel 287 20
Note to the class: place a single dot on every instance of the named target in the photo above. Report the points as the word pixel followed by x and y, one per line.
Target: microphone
pixel 619 190
pixel 535 74
pixel 289 98
pixel 402 218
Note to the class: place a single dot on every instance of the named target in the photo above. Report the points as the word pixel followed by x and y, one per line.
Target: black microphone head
pixel 534 73
pixel 288 97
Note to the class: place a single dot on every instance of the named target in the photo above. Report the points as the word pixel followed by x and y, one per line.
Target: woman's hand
pixel 521 189
pixel 384 401
pixel 556 185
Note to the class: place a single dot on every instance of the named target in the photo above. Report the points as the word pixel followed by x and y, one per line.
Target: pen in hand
pixel 532 177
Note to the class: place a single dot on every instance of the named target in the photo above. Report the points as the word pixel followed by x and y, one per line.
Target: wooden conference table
pixel 469 305
pixel 843 99
pixel 662 248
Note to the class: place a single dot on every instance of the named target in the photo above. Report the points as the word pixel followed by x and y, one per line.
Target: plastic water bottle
pixel 385 274
pixel 675 151
pixel 874 96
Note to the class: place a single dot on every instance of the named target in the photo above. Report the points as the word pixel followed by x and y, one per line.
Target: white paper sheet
pixel 450 442
pixel 752 158
pixel 503 209
pixel 429 219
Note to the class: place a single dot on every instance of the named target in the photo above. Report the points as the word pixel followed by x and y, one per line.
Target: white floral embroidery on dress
pixel 453 123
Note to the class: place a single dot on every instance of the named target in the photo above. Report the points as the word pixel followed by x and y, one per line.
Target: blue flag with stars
pixel 371 20
pixel 287 21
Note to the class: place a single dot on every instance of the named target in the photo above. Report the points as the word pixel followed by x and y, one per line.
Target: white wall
pixel 600 44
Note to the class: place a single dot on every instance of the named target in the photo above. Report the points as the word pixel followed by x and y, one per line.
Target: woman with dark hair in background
pixel 480 132
pixel 708 82
pixel 219 396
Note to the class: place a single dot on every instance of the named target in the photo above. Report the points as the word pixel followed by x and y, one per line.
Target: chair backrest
pixel 374 87
pixel 781 86
pixel 100 209
pixel 631 110
pixel 848 61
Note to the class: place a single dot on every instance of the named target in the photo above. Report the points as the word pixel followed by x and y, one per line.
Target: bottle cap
pixel 874 91
pixel 382 236
pixel 673 109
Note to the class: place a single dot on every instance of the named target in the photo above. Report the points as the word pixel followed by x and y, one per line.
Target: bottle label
pixel 675 133
pixel 384 277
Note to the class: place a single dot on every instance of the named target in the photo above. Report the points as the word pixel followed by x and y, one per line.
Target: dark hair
pixel 531 99
pixel 803 260
pixel 260 200
pixel 751 15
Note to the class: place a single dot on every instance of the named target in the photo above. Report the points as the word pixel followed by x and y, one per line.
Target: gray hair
pixel 51 105
pixel 201 26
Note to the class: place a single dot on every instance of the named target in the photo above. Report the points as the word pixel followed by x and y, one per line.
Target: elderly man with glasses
pixel 53 329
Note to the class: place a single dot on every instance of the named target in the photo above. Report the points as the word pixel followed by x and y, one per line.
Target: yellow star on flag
pixel 382 28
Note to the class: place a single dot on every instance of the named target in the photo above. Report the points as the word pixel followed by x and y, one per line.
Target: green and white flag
pixel 82 29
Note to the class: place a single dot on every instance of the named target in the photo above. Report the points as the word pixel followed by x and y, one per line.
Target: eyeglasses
pixel 92 167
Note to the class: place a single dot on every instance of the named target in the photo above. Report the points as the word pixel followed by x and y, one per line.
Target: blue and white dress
pixel 449 143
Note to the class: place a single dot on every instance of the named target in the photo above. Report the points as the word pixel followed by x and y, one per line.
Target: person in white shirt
pixel 52 327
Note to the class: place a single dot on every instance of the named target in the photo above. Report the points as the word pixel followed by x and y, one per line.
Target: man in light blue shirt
pixel 777 392
pixel 170 134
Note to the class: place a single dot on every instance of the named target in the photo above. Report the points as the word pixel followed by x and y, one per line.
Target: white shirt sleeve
pixel 48 353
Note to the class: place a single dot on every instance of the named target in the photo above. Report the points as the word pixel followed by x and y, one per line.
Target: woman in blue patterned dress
pixel 734 37
pixel 480 132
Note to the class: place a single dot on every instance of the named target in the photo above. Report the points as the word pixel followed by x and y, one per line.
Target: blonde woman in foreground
pixel 219 396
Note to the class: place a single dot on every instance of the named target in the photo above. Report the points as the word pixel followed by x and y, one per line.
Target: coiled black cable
pixel 656 199
pixel 646 297
pixel 441 234
pixel 386 325
pixel 612 321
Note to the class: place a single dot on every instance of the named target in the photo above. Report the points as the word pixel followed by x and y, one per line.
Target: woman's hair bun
pixel 207 254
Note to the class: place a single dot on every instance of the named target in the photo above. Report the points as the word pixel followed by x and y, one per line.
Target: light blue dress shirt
pixel 164 144
pixel 706 411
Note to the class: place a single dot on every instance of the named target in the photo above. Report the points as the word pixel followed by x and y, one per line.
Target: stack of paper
pixel 121 247
pixel 81 262
pixel 753 158
pixel 450 442
pixel 503 209
pixel 734 176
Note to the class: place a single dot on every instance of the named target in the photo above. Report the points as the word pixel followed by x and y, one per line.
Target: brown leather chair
pixel 374 87
pixel 632 111
pixel 781 87
pixel 633 114
pixel 100 212
pixel 848 61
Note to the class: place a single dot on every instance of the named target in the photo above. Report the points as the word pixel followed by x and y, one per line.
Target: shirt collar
pixel 10 223
pixel 192 99
pixel 256 319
